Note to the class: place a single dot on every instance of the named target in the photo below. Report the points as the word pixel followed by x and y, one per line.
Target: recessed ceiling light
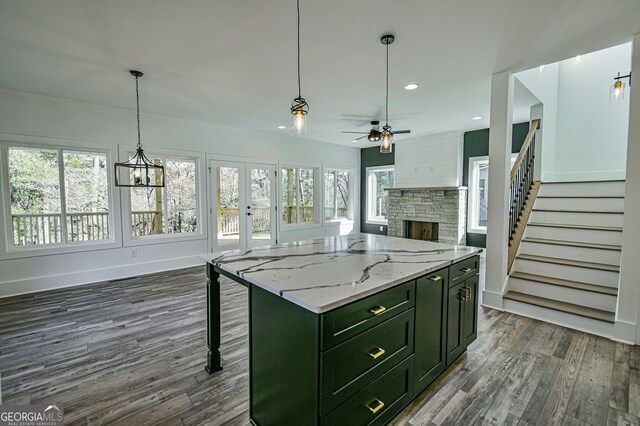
pixel 282 127
pixel 477 117
pixel 412 86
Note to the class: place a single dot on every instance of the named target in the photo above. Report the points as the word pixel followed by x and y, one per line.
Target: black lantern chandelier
pixel 299 106
pixel 139 171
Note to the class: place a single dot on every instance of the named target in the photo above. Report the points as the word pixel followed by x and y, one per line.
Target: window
pixel 169 210
pixel 57 196
pixel 378 178
pixel 479 193
pixel 298 194
pixel 337 202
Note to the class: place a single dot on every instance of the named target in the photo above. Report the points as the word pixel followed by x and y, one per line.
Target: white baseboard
pixel 50 282
pixel 624 332
pixel 492 300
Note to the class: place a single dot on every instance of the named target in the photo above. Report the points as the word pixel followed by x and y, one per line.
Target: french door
pixel 244 204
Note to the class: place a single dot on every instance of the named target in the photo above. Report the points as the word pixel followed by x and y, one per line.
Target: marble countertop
pixel 326 273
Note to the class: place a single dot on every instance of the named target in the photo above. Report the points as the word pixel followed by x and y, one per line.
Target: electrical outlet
pixel 381 228
pixel 134 253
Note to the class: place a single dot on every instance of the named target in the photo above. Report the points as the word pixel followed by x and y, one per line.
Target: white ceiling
pixel 233 62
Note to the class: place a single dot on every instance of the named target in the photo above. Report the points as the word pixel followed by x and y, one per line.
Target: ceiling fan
pixel 374 135
pixel 385 137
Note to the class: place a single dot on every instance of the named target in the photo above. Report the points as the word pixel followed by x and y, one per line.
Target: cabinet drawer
pixel 353 364
pixel 462 270
pixel 347 321
pixel 379 402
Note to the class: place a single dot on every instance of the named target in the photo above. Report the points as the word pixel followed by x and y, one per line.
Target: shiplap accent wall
pixel 429 161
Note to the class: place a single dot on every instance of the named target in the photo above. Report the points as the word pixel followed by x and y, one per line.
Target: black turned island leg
pixel 213 320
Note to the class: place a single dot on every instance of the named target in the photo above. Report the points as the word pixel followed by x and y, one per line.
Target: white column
pixel 500 127
pixel 627 313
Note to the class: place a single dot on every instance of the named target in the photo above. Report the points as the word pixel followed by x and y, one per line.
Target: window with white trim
pixel 379 178
pixel 479 193
pixel 169 210
pixel 298 190
pixel 337 194
pixel 57 196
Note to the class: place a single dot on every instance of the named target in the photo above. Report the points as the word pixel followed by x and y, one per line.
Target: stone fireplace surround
pixel 445 205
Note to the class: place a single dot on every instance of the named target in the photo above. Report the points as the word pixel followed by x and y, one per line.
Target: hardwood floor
pixel 133 352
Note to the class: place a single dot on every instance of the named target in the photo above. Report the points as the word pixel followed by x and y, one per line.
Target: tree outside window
pixel 298 187
pixel 57 196
pixel 169 210
pixel 337 204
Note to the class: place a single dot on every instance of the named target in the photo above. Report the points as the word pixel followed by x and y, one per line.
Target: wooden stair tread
pixel 556 305
pixel 577 211
pixel 593 288
pixel 568 262
pixel 573 244
pixel 585 227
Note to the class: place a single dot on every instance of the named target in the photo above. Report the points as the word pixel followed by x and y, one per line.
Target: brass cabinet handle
pixel 378 407
pixel 465 293
pixel 465 270
pixel 435 278
pixel 377 354
pixel 377 310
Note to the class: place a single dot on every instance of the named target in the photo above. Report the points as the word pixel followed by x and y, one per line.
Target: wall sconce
pixel 618 87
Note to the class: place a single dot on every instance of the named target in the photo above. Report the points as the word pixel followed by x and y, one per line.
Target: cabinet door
pixel 470 321
pixel 430 328
pixel 455 313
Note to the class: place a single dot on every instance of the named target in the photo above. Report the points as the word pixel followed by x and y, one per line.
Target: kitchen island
pixel 346 329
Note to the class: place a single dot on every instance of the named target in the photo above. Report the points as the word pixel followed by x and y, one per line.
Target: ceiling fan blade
pixel 399 132
pixel 361 137
pixel 358 133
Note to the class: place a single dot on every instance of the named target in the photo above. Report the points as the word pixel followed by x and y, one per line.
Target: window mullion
pixel 296 181
pixel 335 194
pixel 165 218
pixel 63 198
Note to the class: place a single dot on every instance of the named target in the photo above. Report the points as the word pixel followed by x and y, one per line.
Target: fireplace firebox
pixel 418 230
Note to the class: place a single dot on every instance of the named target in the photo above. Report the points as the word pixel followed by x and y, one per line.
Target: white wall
pixel 543 83
pixel 41 116
pixel 429 161
pixel 592 132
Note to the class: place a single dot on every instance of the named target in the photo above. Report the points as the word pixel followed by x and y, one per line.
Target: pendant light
pixel 299 106
pixel 386 144
pixel 139 171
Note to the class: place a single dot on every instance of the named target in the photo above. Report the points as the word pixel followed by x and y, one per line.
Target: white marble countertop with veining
pixel 326 273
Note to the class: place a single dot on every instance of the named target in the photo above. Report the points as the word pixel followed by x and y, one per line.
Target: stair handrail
pixel 522 179
pixel 535 125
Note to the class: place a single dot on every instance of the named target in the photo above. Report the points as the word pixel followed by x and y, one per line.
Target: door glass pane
pixel 483 193
pixel 86 196
pixel 306 195
pixel 228 196
pixel 289 195
pixel 260 204
pixel 34 187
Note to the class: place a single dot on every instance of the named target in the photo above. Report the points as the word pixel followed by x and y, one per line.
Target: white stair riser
pixel 576 235
pixel 615 189
pixel 580 204
pixel 564 294
pixel 589 219
pixel 600 328
pixel 608 257
pixel 571 273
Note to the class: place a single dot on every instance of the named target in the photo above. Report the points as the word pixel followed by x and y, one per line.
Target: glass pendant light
pixel 299 106
pixel 386 144
pixel 139 171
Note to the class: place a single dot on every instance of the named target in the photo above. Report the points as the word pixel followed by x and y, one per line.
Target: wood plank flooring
pixel 133 352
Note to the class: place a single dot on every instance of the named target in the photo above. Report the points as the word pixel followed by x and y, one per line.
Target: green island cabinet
pixel 362 363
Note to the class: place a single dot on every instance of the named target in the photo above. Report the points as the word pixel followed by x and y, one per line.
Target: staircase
pixel 567 265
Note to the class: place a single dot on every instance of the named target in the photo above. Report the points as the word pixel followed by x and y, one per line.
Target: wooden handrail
pixel 535 124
